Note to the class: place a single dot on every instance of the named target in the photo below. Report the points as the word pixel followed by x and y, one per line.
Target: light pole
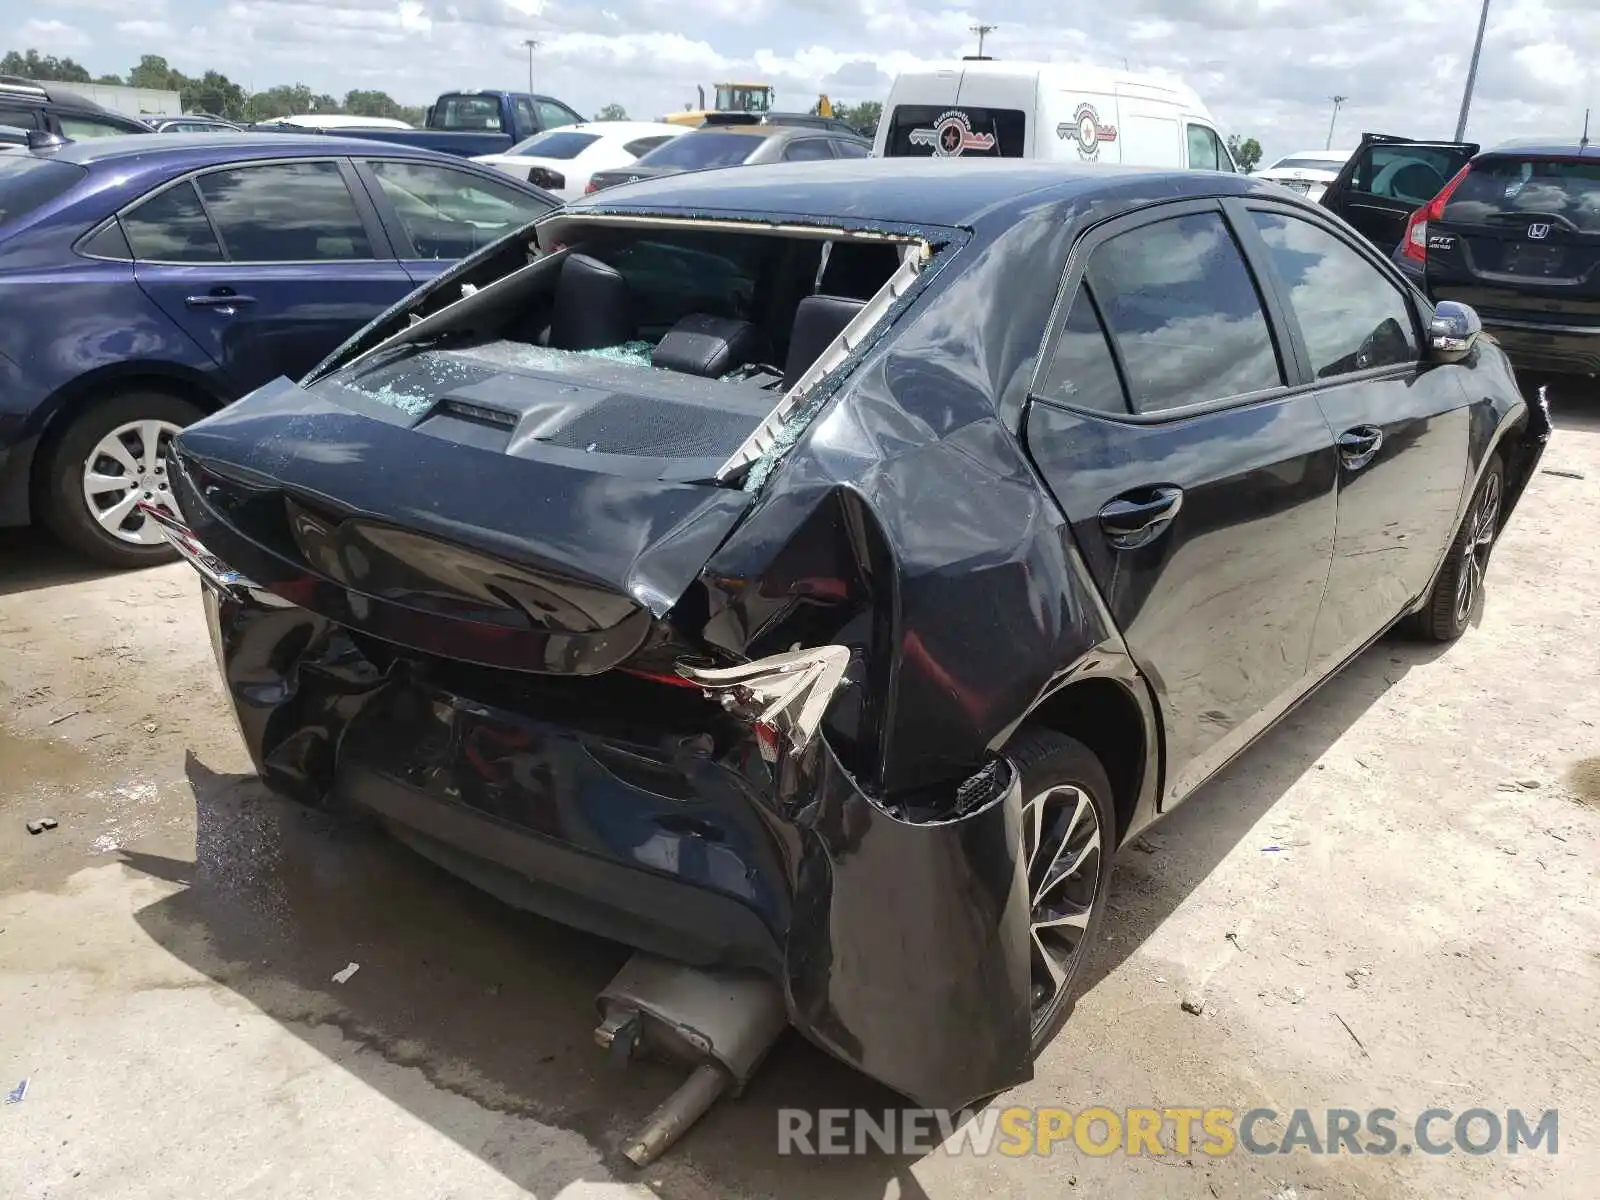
pixel 530 43
pixel 1338 102
pixel 982 31
pixel 1472 73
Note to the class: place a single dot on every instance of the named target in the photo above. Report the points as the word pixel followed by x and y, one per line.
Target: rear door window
pixel 808 150
pixel 79 127
pixel 18 117
pixel 1184 312
pixel 171 227
pixel 1082 371
pixel 1352 318
pixel 553 116
pixel 938 131
pixel 28 183
pixel 1409 173
pixel 1518 192
pixel 285 212
pixel 850 149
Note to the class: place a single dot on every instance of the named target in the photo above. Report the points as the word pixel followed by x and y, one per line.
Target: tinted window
pixel 929 130
pixel 26 183
pixel 110 242
pixel 80 128
pixel 1179 301
pixel 697 151
pixel 1082 371
pixel 563 144
pixel 287 212
pixel 171 227
pixel 646 144
pixel 552 116
pixel 1531 187
pixel 447 213
pixel 466 112
pixel 18 118
pixel 807 150
pixel 1203 149
pixel 851 149
pixel 1413 174
pixel 1352 317
pixel 526 118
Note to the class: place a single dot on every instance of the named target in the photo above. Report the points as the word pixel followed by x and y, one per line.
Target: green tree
pixel 612 112
pixel 281 101
pixel 212 93
pixel 112 80
pixel 153 72
pixel 363 103
pixel 30 64
pixel 863 117
pixel 1246 152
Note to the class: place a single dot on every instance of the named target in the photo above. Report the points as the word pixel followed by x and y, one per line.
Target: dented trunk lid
pixel 495 505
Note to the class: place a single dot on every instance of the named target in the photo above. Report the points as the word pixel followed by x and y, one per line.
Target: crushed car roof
pixel 906 190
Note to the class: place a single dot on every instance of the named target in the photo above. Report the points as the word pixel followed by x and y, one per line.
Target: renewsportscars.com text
pixel 1099 1131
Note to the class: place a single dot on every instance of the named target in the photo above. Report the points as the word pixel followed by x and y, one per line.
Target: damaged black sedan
pixel 814 573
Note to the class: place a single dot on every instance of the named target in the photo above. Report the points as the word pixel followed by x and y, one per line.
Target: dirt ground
pixel 1407 868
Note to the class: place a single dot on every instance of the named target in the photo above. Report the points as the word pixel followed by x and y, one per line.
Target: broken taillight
pixel 783 697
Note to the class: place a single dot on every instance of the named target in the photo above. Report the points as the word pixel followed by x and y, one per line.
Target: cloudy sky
pixel 1265 67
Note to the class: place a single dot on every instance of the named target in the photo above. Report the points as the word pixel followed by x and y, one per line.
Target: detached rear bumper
pixel 900 947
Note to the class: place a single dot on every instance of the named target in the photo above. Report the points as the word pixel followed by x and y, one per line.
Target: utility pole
pixel 1472 73
pixel 1338 102
pixel 982 31
pixel 530 43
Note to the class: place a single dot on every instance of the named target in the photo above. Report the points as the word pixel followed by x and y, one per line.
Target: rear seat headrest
pixel 817 321
pixel 701 344
pixel 593 307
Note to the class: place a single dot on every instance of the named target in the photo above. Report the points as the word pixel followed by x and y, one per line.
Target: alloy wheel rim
pixel 1481 529
pixel 1062 849
pixel 126 466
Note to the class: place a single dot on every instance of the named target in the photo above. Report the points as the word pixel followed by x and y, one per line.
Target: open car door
pixel 1388 178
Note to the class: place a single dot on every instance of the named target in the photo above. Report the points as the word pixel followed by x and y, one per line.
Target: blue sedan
pixel 146 282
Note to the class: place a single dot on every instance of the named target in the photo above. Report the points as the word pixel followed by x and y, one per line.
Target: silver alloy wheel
pixel 1482 525
pixel 126 466
pixel 1061 846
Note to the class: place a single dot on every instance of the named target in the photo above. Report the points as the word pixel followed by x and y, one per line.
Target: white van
pixel 978 108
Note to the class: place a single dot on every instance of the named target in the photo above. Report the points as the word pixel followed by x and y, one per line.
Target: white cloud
pixel 1266 67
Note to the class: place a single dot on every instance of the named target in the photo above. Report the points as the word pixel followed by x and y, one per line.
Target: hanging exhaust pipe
pixel 719 1024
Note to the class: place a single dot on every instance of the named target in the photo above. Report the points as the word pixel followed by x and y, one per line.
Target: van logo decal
pixel 950 135
pixel 1538 231
pixel 1085 128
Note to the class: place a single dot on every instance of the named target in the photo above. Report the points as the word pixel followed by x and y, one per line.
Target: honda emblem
pixel 1538 231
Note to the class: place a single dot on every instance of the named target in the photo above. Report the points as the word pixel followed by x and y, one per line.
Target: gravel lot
pixel 1424 934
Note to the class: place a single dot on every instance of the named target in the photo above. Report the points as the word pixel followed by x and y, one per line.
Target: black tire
pixel 1444 617
pixel 1046 759
pixel 63 508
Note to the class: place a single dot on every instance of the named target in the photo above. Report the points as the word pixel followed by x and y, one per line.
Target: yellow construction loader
pixel 753 99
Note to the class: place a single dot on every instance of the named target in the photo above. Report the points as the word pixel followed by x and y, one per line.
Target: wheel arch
pixel 101 384
pixel 1116 720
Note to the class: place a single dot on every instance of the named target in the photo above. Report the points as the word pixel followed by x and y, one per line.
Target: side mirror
pixel 1453 331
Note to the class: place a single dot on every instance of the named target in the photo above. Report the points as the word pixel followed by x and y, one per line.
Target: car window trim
pixel 1072 277
pixel 397 236
pixel 1250 237
pixel 377 237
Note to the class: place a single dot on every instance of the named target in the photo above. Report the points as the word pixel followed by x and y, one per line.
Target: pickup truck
pixel 468 123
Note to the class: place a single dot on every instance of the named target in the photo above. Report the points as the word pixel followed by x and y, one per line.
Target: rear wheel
pixel 1068 843
pixel 112 456
pixel 1458 590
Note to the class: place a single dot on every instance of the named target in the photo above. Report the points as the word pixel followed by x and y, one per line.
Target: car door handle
pixel 1137 518
pixel 1358 446
pixel 226 302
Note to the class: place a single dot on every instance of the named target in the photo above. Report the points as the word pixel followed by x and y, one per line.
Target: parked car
pixel 833 598
pixel 562 160
pixel 193 123
pixel 1308 172
pixel 467 123
pixel 145 282
pixel 51 108
pixel 977 108
pixel 1516 233
pixel 1387 179
pixel 735 145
